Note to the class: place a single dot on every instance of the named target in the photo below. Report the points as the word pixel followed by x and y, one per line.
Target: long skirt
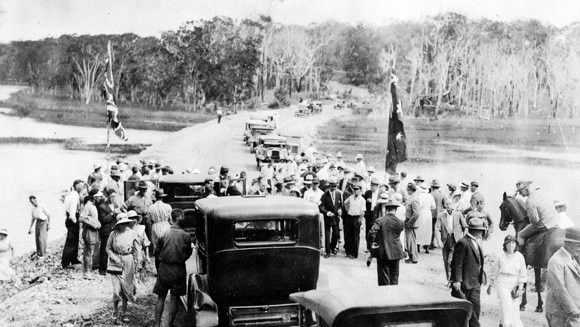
pixel 157 231
pixel 41 233
pixel 510 308
pixel 6 272
pixel 424 228
pixel 124 284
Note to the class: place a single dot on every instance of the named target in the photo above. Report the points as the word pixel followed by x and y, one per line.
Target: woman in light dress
pixel 6 253
pixel 507 276
pixel 122 249
pixel 424 230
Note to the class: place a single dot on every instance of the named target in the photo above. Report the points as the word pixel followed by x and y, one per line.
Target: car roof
pixel 184 178
pixel 256 121
pixel 272 138
pixel 329 304
pixel 256 207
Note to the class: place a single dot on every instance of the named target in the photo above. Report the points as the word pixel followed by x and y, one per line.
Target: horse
pixel 538 248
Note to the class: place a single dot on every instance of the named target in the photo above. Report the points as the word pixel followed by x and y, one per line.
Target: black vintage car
pixel 385 306
pixel 252 252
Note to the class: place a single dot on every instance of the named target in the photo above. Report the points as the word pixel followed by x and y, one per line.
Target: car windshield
pixel 257 232
pixel 188 190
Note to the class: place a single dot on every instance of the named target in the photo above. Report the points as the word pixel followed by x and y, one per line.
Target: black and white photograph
pixel 296 163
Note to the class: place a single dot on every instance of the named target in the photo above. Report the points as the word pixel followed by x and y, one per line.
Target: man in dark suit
pixel 108 211
pixel 371 196
pixel 386 233
pixel 449 229
pixel 467 273
pixel 330 208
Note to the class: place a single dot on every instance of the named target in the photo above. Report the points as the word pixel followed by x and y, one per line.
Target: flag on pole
pixel 109 91
pixel 396 140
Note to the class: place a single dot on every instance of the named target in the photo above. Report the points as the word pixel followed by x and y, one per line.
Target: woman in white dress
pixel 507 276
pixel 427 203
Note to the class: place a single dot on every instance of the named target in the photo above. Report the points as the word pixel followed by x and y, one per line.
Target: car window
pixel 279 231
pixel 188 191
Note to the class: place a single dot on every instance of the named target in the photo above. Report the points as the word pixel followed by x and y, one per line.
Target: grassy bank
pixel 452 139
pixel 71 112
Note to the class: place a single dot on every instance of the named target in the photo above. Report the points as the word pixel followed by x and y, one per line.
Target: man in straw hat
pixel 563 298
pixel 467 272
pixel 540 209
pixel 386 232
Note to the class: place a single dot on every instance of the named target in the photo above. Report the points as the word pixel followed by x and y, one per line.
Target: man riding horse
pixel 540 209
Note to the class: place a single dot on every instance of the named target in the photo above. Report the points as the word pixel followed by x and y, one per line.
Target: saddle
pixel 540 247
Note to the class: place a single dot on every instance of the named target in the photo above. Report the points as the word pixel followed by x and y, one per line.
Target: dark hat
pixel 412 187
pixel 114 167
pixel 452 186
pixel 435 183
pixel 142 184
pixel 474 183
pixel 510 238
pixel 572 235
pixel 135 169
pixel 4 231
pixel 115 173
pixel 288 180
pixel 356 186
pixel 159 193
pixel 224 168
pixel 476 224
pixel 158 165
pixel 419 178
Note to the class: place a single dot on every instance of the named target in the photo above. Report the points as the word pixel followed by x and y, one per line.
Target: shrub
pixel 281 95
pixel 274 105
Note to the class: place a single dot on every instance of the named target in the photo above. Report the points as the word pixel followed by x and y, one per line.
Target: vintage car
pixel 253 124
pixel 255 134
pixel 268 117
pixel 271 148
pixel 382 306
pixel 252 252
pixel 293 144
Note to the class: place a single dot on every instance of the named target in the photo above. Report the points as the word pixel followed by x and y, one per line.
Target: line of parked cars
pixel 256 263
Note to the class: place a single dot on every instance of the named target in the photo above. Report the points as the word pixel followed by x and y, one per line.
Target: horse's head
pixel 512 211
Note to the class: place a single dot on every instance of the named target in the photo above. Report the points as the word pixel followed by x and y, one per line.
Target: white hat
pixel 97 165
pixel 339 154
pixel 359 156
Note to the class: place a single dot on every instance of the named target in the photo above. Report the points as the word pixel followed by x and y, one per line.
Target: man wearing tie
pixel 467 273
pixel 330 208
pixel 449 229
pixel 371 196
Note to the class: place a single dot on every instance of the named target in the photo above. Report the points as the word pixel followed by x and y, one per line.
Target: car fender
pixel 203 307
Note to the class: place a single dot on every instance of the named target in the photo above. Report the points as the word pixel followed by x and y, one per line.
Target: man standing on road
pixel 541 212
pixel 354 209
pixel 563 298
pixel 219 113
pixel 467 273
pixel 331 208
pixel 173 250
pixel 41 216
pixel 449 229
pixel 412 210
pixel 72 207
pixel 386 232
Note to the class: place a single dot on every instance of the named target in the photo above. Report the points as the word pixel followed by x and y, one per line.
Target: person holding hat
pixel 386 232
pixel 467 272
pixel 412 211
pixel 449 229
pixel 6 253
pixel 122 248
pixel 159 215
pixel 508 274
pixel 540 209
pixel 565 221
pixel 563 283
pixel 89 217
pixel 41 216
pixel 353 213
pixel 331 209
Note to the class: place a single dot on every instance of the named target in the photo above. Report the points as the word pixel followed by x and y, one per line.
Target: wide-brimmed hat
pixel 339 155
pixel 394 179
pixel 332 180
pixel 142 184
pixel 132 214
pixel 288 180
pixel 510 238
pixel 160 193
pixel 474 183
pixel 412 187
pixel 423 186
pixel 572 235
pixel 522 185
pixel 452 186
pixel 456 193
pixel 371 169
pixel 347 169
pixel 435 183
pixel 4 231
pixel 315 180
pixel 476 224
pixel 308 179
pixel 122 218
pixel 383 198
pixel 559 203
pixel 464 185
pixel 97 165
pixel 419 178
pixel 375 181
pixel 359 156
pixel 115 173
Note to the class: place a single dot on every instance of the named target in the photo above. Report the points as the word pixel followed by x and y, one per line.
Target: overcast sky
pixel 36 19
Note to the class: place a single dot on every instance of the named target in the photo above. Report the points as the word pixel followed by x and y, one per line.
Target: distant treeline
pixel 447 62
